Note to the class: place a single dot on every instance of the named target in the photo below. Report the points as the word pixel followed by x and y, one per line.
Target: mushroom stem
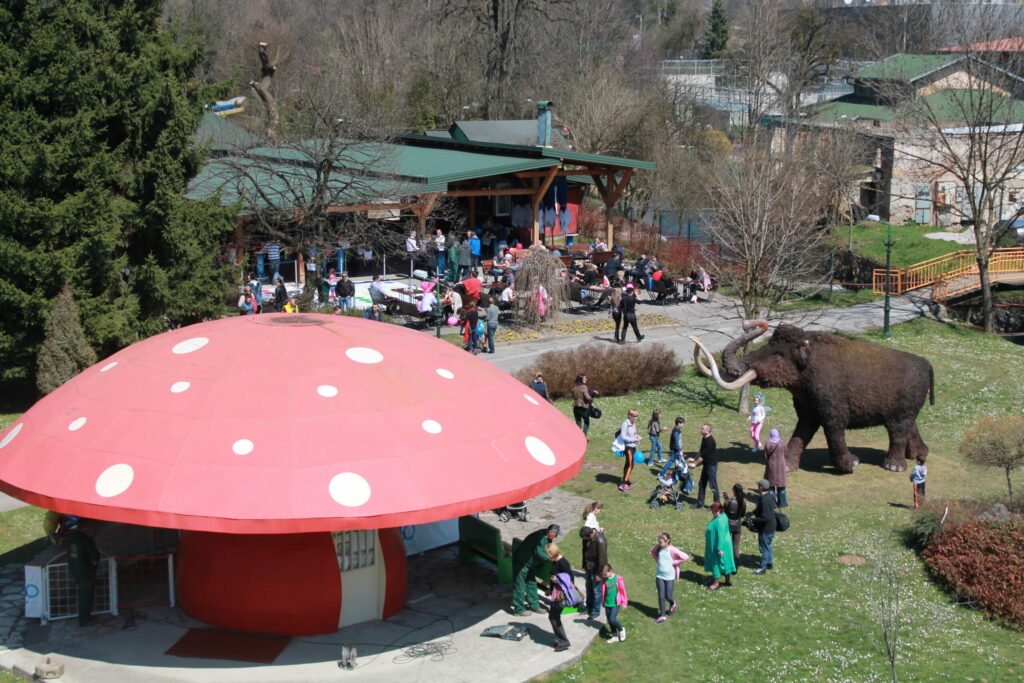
pixel 744 379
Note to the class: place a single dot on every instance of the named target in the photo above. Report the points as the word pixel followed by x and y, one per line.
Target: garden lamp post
pixel 888 281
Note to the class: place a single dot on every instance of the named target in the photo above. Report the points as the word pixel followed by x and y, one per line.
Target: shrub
pixel 981 562
pixel 996 441
pixel 610 369
pixel 65 351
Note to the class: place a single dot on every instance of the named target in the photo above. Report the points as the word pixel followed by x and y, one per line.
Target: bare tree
pixel 765 204
pixel 262 86
pixel 888 604
pixel 505 29
pixel 967 130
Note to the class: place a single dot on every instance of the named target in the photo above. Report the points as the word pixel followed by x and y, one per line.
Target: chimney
pixel 544 123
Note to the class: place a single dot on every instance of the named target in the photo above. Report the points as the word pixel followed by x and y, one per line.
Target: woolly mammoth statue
pixel 837 384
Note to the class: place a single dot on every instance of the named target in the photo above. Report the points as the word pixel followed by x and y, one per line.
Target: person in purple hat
pixel 775 469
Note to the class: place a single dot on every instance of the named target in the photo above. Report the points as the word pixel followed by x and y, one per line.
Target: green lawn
pixel 811 618
pixel 821 299
pixel 910 245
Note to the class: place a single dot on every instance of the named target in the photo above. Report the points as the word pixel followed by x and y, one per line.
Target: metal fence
pixel 121 583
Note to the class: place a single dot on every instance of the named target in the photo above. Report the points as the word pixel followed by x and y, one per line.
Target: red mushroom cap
pixel 288 423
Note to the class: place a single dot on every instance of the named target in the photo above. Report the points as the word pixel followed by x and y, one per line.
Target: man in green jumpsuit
pixel 527 558
pixel 83 557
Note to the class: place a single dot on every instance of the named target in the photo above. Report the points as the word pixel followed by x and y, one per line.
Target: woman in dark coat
pixel 561 581
pixel 735 510
pixel 775 469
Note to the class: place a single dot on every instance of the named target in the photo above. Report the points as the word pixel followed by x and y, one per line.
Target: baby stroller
pixel 667 491
pixel 517 510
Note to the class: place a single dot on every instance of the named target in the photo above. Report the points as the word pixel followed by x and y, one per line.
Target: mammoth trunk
pixel 731 363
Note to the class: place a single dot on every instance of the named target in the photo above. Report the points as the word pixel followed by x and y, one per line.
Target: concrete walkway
pixel 716 323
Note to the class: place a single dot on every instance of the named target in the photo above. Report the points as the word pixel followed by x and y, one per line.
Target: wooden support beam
pixel 538 194
pixel 617 192
pixel 493 192
pixel 563 171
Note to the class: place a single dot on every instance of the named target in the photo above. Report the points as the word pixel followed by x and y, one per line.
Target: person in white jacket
pixel 630 439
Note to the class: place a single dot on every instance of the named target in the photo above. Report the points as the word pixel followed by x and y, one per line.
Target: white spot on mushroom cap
pixel 77 424
pixel 531 399
pixel 179 387
pixel 327 391
pixel 362 354
pixel 431 426
pixel 115 480
pixel 11 434
pixel 540 451
pixel 349 489
pixel 447 374
pixel 243 447
pixel 108 366
pixel 190 345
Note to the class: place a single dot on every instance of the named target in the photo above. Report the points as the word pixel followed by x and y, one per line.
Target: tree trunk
pixel 744 406
pixel 986 291
pixel 262 88
pixel 1009 484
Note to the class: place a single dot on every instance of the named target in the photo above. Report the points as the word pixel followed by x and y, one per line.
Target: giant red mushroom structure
pixel 288 449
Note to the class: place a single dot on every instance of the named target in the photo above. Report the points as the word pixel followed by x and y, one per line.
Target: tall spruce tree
pixel 64 352
pixel 716 34
pixel 98 111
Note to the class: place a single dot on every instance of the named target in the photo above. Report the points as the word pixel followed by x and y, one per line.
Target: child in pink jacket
pixel 668 558
pixel 613 597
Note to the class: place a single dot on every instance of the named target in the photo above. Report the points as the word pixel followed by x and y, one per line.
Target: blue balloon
pixel 638 457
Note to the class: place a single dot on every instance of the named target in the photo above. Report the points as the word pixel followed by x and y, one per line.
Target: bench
pixel 479 539
pixel 410 314
pixel 599 258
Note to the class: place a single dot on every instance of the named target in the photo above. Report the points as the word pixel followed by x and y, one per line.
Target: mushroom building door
pixel 362 582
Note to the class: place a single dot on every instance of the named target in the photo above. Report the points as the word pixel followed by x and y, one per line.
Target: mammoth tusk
pixel 738 383
pixel 698 360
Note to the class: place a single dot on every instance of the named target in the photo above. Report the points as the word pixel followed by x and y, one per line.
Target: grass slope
pixel 810 619
pixel 910 245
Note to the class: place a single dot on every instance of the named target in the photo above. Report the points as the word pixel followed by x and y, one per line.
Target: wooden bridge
pixel 951 275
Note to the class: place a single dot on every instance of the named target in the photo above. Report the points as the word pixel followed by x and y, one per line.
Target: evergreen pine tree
pixel 64 352
pixel 716 34
pixel 98 110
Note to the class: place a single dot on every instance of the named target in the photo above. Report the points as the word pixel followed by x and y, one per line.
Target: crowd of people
pixel 604 589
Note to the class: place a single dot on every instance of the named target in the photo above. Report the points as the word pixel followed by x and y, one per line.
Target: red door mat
pixel 212 643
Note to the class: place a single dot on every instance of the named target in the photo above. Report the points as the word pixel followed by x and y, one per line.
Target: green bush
pixel 610 369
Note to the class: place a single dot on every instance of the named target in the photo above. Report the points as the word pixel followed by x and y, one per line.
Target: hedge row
pixel 611 369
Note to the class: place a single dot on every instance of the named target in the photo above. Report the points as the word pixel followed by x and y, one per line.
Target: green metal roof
pixel 434 166
pixel 509 132
pixel 566 155
pixel 222 135
pixel 261 184
pixel 842 109
pixel 945 106
pixel 908 68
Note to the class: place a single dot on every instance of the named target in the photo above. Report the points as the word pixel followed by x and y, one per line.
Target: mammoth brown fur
pixel 837 384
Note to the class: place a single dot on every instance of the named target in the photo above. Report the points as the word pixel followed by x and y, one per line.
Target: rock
pixel 998 511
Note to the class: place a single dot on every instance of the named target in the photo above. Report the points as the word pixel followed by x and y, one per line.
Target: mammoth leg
pixel 916 447
pixel 842 458
pixel 805 430
pixel 899 446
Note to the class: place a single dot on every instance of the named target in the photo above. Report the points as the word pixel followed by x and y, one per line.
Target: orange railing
pixel 1004 264
pixel 941 270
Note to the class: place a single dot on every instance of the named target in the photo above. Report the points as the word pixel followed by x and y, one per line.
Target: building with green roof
pixel 486 165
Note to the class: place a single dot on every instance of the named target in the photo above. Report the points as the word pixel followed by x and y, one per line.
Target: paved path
pixel 716 323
